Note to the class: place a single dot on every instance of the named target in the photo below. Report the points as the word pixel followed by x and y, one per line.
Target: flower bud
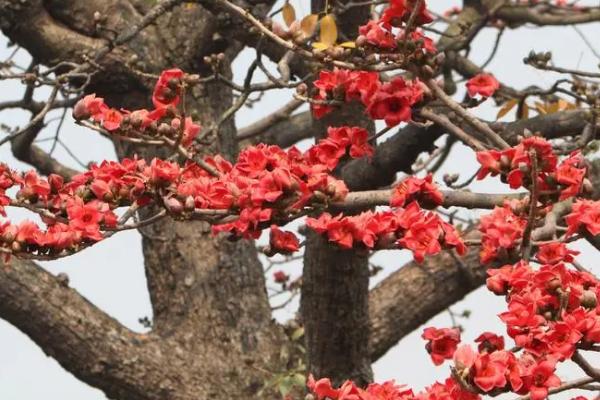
pixel 190 204
pixel 504 162
pixel 173 205
pixel 280 31
pixel 302 89
pixel 80 111
pixel 165 129
pixel 588 299
pixel 553 284
pixel 361 41
pixel 523 167
pixel 587 186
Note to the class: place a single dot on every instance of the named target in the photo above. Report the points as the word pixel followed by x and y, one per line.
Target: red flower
pixel 163 173
pixel 400 10
pixel 413 188
pixel 167 89
pixel 389 391
pixel 490 163
pixel 489 372
pixel 553 253
pixel 482 84
pixel 190 131
pixel 375 35
pixel 85 218
pixel 392 102
pixel 464 357
pixel 540 379
pixel 280 277
pixel 584 213
pixel 489 342
pixel 570 174
pixel 501 229
pixel 111 120
pixel 449 390
pixel 354 137
pixel 321 388
pixel 283 242
pixel 90 106
pixel 442 343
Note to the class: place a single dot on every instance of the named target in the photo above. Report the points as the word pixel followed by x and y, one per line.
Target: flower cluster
pixel 282 242
pixel 502 231
pixel 72 222
pixel 421 189
pixel 379 35
pixel 449 389
pixel 515 164
pixel 266 185
pixel 399 11
pixel 584 216
pixel 422 232
pixel 551 311
pixel 390 101
pixel 162 122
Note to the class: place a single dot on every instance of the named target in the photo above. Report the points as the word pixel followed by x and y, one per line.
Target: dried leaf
pixel 297 334
pixel 541 108
pixel 309 24
pixel 348 45
pixel 329 32
pixel 565 105
pixel 319 46
pixel 289 14
pixel 551 108
pixel 509 105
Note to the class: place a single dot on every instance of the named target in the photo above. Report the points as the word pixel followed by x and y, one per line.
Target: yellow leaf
pixel 541 108
pixel 319 46
pixel 553 107
pixel 328 30
pixel 289 14
pixel 309 24
pixel 348 45
pixel 565 105
pixel 509 105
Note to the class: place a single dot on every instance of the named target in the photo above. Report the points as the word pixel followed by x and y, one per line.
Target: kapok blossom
pixel 484 85
pixel 391 101
pixel 421 189
pixel 282 242
pixel 441 343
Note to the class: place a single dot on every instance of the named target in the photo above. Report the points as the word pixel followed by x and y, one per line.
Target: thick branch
pixel 451 198
pixel 418 292
pixel 526 14
pixel 82 338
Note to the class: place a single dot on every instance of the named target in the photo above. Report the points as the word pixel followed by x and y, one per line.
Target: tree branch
pixel 82 338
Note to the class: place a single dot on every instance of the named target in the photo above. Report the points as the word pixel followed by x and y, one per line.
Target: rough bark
pixel 208 294
pixel 213 336
pixel 334 302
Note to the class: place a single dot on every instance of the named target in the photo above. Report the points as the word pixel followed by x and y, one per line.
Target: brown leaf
pixel 309 24
pixel 329 32
pixel 289 14
pixel 541 108
pixel 320 46
pixel 509 105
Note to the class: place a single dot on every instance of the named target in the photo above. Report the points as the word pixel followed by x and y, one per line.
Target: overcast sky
pixel 110 274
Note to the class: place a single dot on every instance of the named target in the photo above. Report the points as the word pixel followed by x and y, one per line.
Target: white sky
pixel 111 274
